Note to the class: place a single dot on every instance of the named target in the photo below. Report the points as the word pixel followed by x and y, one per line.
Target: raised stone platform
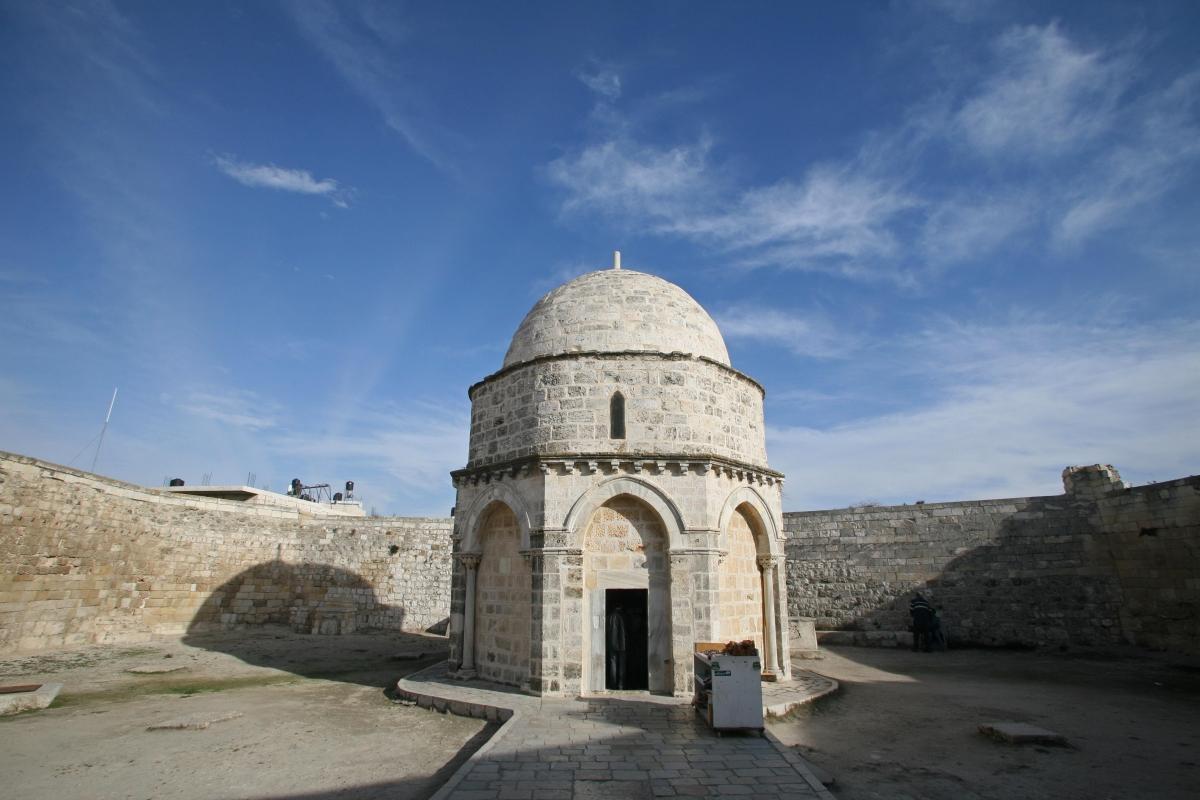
pixel 628 745
pixel 18 701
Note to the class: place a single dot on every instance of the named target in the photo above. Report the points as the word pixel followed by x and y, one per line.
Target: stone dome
pixel 615 310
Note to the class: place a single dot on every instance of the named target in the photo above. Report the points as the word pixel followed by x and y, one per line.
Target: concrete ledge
pixel 780 699
pixel 40 698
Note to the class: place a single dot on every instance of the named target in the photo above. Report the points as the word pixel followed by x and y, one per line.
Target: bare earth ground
pixel 307 718
pixel 905 725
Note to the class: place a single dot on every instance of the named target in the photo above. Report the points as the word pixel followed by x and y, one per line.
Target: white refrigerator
pixel 732 687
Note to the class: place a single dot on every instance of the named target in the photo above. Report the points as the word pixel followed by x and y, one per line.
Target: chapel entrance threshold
pixel 625 642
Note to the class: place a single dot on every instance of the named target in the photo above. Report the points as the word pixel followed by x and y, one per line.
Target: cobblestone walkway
pixel 625 746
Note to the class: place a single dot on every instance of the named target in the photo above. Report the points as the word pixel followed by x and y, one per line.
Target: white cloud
pixel 1016 403
pixel 836 217
pixel 416 446
pixel 604 81
pixel 619 177
pixel 805 335
pixel 269 176
pixel 236 408
pixel 1097 153
pixel 965 227
pixel 360 47
pixel 1046 95
pixel 1164 147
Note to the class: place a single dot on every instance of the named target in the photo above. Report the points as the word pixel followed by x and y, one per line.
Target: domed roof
pixel 613 310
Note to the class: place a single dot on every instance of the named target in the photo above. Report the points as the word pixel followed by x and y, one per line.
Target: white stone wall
pixel 86 559
pixel 554 501
pixel 741 608
pixel 673 405
pixel 503 601
pixel 625 547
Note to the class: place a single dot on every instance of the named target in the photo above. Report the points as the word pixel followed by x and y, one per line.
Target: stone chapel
pixel 616 506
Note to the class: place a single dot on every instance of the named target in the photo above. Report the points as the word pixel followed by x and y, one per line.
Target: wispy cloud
pixel 414 447
pixel 1016 402
pixel 237 408
pixel 1164 144
pixel 1053 136
pixel 604 81
pixel 832 220
pixel 359 41
pixel 269 176
pixel 812 335
pixel 1046 95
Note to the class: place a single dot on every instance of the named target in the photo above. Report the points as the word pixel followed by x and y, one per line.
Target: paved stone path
pixel 623 746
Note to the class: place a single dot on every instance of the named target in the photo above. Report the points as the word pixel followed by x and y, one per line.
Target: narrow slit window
pixel 616 416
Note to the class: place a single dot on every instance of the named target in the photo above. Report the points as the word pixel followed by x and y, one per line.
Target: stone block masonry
pixel 85 559
pixel 1099 565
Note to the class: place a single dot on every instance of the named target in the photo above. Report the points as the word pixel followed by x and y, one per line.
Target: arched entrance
pixel 739 582
pixel 502 600
pixel 627 598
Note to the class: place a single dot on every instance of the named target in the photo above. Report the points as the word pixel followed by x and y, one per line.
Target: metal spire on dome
pixel 616 259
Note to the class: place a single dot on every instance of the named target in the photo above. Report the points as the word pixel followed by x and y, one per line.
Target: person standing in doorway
pixel 617 641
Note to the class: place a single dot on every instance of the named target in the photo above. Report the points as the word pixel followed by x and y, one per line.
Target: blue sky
pixel 956 241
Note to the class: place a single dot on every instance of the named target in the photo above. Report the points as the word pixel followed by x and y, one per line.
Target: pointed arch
pixel 477 513
pixel 645 491
pixel 747 495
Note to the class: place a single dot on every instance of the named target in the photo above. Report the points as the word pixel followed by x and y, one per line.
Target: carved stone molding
pixel 609 464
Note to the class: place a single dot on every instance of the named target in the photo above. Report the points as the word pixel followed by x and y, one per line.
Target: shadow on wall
pixel 1037 584
pixel 1120 566
pixel 307 597
pixel 347 632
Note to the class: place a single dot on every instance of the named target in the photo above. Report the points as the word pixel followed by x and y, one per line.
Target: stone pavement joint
pixel 628 746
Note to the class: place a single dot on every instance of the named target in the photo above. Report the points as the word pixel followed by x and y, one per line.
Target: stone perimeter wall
pixel 1099 565
pixel 86 559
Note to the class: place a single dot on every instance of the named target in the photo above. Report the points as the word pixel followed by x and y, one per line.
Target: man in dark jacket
pixel 922 622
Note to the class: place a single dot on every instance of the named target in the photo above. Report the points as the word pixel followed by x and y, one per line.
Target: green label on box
pixel 722 673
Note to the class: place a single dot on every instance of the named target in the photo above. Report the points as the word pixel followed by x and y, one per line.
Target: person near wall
pixel 922 622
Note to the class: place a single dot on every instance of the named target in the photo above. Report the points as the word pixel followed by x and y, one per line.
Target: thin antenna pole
pixel 107 417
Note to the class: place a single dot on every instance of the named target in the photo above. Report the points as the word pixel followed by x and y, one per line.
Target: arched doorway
pixel 502 600
pixel 739 581
pixel 627 598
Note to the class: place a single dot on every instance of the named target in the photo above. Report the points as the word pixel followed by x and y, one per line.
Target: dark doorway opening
pixel 625 639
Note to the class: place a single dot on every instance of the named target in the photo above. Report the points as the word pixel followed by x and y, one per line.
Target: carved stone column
pixel 466 669
pixel 767 565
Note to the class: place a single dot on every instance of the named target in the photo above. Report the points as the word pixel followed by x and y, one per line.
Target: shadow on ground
pixel 314 621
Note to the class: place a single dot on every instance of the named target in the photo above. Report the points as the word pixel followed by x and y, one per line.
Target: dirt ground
pixel 288 716
pixel 905 725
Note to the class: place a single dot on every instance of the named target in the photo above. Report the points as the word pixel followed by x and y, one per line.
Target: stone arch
pixel 503 599
pixel 643 490
pixel 626 552
pixel 479 510
pixel 761 513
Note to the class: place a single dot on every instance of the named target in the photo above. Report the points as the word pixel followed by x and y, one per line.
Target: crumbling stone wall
pixel 1099 565
pixel 86 559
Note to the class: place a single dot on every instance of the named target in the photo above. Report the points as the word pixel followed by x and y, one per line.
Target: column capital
pixel 469 560
pixel 767 562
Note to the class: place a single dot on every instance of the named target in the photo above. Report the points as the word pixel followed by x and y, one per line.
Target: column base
pixel 463 675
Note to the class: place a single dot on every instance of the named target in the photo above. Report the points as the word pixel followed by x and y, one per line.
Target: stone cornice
pixel 676 356
pixel 615 464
